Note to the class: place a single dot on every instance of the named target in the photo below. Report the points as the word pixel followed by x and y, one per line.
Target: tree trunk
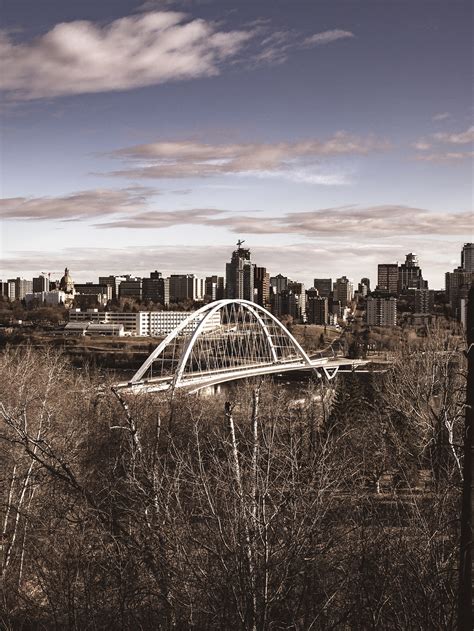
pixel 465 566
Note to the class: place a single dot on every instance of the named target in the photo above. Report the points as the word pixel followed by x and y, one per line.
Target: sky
pixel 330 135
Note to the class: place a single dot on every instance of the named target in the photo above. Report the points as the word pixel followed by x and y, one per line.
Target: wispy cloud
pixel 456 138
pixel 165 218
pixel 366 223
pixel 77 206
pixel 276 46
pixel 133 208
pixel 378 221
pixel 441 116
pixel 422 145
pixel 445 156
pixel 326 37
pixel 293 160
pixel 441 144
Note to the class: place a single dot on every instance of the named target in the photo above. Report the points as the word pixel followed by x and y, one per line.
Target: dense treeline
pixel 339 511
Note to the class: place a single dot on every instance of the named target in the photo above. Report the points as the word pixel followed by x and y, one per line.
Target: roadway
pixel 198 380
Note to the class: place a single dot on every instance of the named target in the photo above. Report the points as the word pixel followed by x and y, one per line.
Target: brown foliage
pixel 193 513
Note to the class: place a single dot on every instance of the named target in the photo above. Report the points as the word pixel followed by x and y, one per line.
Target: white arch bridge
pixel 224 341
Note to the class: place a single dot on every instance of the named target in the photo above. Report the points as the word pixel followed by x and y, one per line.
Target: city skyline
pixel 152 135
pixel 222 271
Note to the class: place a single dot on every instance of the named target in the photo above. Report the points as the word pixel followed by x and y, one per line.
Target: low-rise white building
pixel 144 323
pixel 94 328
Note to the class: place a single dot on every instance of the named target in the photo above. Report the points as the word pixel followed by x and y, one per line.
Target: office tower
pixel 343 290
pixel 410 275
pixel 262 286
pixel 21 288
pixel 288 303
pixel 214 288
pixel 335 307
pixel 458 283
pixel 463 311
pixel 316 307
pixel 114 282
pixel 387 278
pixel 424 300
pixel 40 283
pixel 300 293
pixel 156 289
pixel 199 288
pixel 366 282
pixel 363 288
pixel 279 283
pixel 11 289
pixel 467 257
pixel 93 289
pixel 131 288
pixel 324 286
pixel 381 311
pixel 239 275
pixel 454 281
pixel 184 287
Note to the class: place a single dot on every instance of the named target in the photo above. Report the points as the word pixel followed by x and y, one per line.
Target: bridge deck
pixel 201 380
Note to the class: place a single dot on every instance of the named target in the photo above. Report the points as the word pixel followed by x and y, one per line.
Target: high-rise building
pixel 299 291
pixel 47 298
pixel 11 289
pixel 335 308
pixel 131 288
pixel 184 287
pixel 20 288
pixel 457 287
pixel 262 286
pixel 279 283
pixel 363 289
pixel 424 300
pixel 288 303
pixel 459 281
pixel 366 282
pixel 343 290
pixel 381 311
pixel 214 288
pixel 114 282
pixel 387 278
pixel 463 312
pixel 316 307
pixel 324 286
pixel 40 283
pixel 239 275
pixel 467 257
pixel 156 289
pixel 410 275
pixel 94 289
pixel 199 288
